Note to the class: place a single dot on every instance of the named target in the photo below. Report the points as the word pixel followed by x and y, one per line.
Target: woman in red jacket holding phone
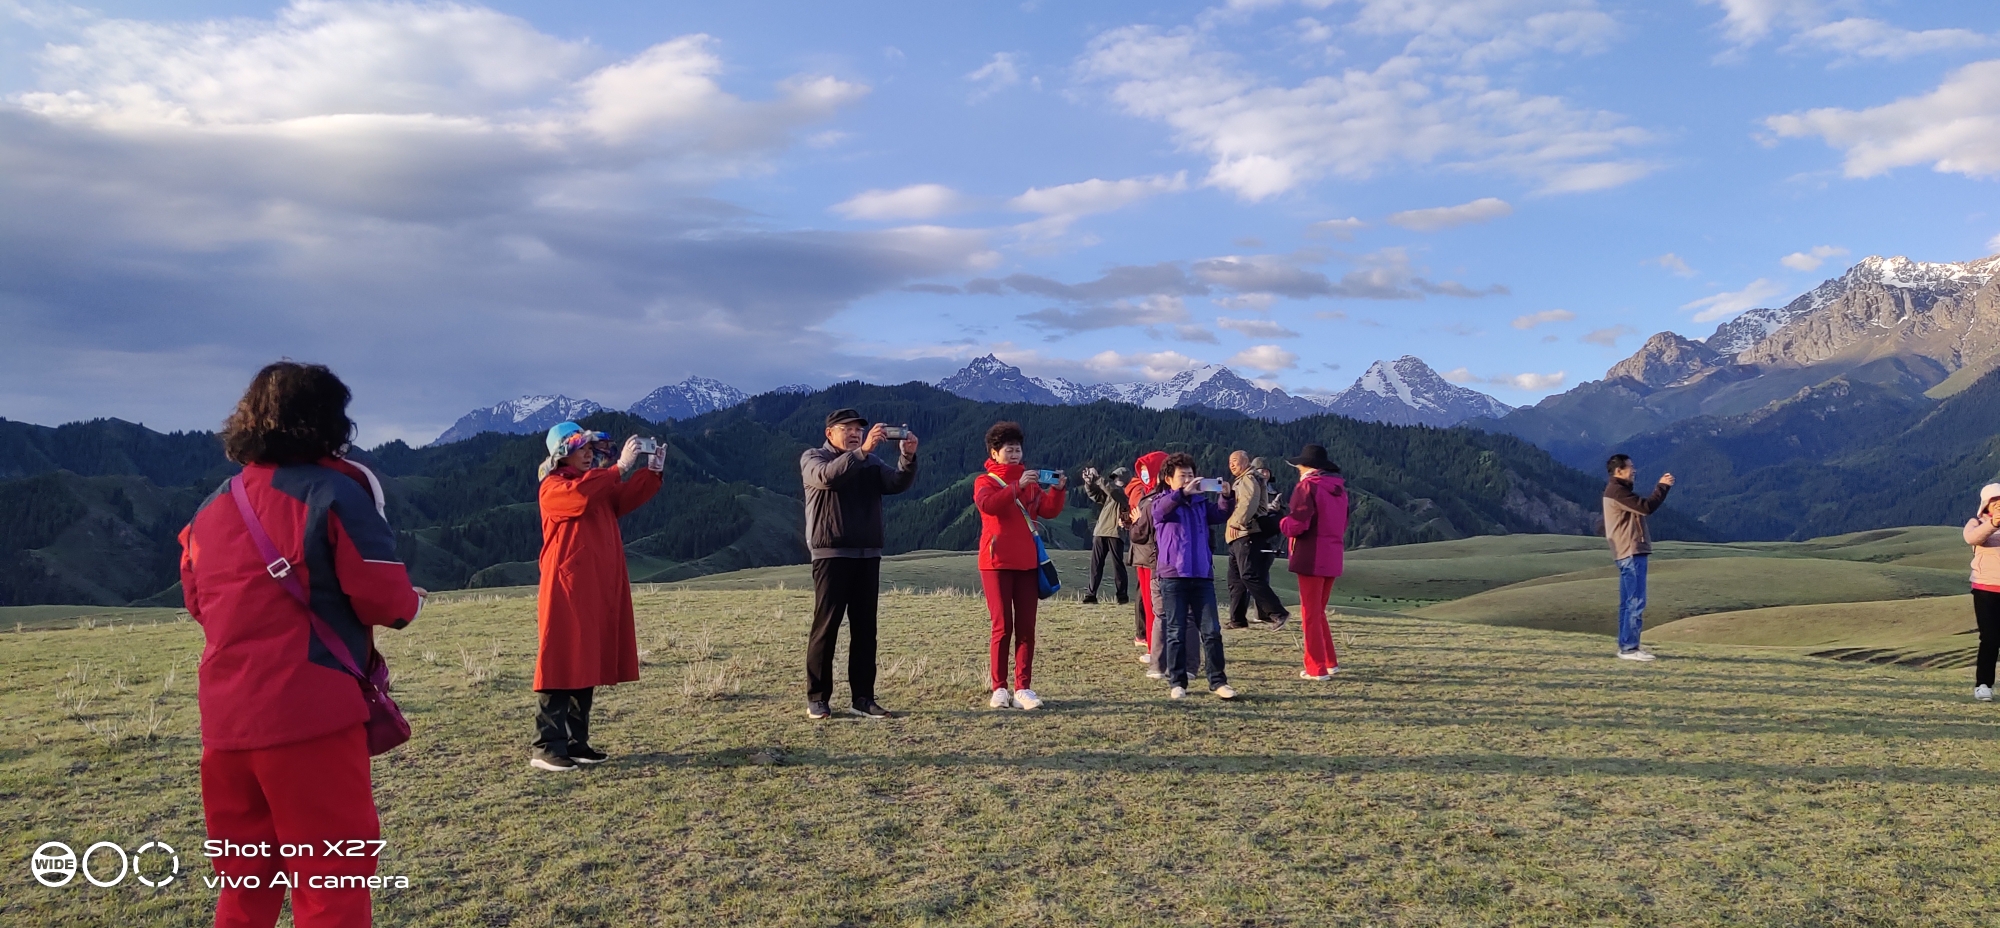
pixel 284 753
pixel 1008 496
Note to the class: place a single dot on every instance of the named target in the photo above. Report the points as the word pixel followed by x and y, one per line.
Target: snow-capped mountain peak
pixel 1746 330
pixel 687 399
pixel 520 416
pixel 1407 392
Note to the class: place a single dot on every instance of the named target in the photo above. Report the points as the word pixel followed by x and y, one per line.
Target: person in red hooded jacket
pixel 587 633
pixel 284 756
pixel 1008 497
pixel 1317 529
pixel 1141 551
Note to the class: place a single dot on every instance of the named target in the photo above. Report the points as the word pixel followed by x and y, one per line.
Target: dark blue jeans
pixel 1631 601
pixel 1185 602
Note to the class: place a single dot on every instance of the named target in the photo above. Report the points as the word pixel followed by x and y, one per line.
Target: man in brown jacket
pixel 1625 527
pixel 1250 553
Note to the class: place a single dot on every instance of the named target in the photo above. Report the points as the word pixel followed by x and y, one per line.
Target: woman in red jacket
pixel 584 605
pixel 1317 528
pixel 284 757
pixel 1008 496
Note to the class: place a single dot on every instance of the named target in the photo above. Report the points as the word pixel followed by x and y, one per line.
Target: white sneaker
pixel 1001 699
pixel 1306 676
pixel 1178 692
pixel 1983 693
pixel 1634 656
pixel 1026 699
pixel 1225 691
pixel 1145 658
pixel 1330 671
pixel 1155 675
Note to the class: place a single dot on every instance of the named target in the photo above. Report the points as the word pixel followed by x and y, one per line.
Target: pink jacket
pixel 1985 544
pixel 1317 525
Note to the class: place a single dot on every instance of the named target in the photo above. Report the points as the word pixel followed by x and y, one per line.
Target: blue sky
pixel 456 204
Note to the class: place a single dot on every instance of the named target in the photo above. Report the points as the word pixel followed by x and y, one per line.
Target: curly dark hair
pixel 292 414
pixel 1003 434
pixel 1176 461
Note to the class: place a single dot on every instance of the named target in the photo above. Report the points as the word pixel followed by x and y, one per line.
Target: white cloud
pixel 1478 33
pixel 1608 337
pixel 1255 302
pixel 1095 195
pixel 1674 264
pixel 1527 382
pixel 1811 260
pixel 998 73
pixel 1993 245
pixel 1873 38
pixel 1729 303
pixel 917 201
pixel 1954 128
pixel 1153 310
pixel 1483 209
pixel 1747 22
pixel 1265 358
pixel 1264 139
pixel 1342 229
pixel 1150 365
pixel 1543 318
pixel 1256 328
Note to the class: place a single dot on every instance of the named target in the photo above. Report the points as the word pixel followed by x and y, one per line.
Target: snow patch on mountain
pixel 1407 391
pixel 687 399
pixel 1741 333
pixel 522 416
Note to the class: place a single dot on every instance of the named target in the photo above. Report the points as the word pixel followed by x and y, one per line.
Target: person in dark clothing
pixel 1625 528
pixel 1107 541
pixel 1250 550
pixel 845 483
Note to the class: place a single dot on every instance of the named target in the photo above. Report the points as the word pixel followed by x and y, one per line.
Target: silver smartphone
pixel 895 432
pixel 1209 485
pixel 649 445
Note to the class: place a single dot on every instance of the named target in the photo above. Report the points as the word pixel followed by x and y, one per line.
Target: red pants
pixel 1011 598
pixel 1145 616
pixel 305 793
pixel 1313 594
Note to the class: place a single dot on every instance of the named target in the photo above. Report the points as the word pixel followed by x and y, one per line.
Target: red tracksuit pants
pixel 1313 594
pixel 1011 598
pixel 304 793
pixel 1145 604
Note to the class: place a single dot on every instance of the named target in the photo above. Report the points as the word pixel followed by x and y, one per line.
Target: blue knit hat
pixel 565 437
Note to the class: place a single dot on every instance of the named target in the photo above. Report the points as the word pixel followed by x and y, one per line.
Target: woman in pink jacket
pixel 1985 542
pixel 1317 529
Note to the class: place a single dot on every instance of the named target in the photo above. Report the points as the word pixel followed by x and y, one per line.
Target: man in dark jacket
pixel 1250 548
pixel 1107 541
pixel 1625 527
pixel 845 483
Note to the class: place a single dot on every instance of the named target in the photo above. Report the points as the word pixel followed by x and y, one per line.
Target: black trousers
pixel 1102 548
pixel 562 720
pixel 846 586
pixel 1250 581
pixel 1986 609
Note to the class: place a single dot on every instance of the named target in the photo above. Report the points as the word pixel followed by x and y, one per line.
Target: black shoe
pixel 1090 599
pixel 1274 623
pixel 1237 625
pixel 585 754
pixel 1123 601
pixel 817 709
pixel 869 709
pixel 545 759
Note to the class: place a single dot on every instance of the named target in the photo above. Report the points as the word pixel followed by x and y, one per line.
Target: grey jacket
pixel 1250 501
pixel 1109 497
pixel 844 491
pixel 1625 518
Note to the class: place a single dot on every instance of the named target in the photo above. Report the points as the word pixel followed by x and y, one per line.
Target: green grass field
pixel 1457 774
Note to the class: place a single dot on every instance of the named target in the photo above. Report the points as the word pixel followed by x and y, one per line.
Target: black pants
pixel 843 586
pixel 1250 580
pixel 563 720
pixel 1986 609
pixel 1102 548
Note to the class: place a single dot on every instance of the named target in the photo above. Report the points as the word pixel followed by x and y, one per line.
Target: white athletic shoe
pixel 1178 692
pixel 1634 656
pixel 1026 699
pixel 1001 699
pixel 1330 671
pixel 1145 659
pixel 1983 693
pixel 1306 676
pixel 1155 675
pixel 1225 691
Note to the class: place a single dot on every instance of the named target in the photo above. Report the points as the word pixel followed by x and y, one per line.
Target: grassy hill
pixel 1457 775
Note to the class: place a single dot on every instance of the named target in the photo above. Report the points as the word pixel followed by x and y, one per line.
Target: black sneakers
pixel 1123 601
pixel 1275 622
pixel 816 709
pixel 869 709
pixel 585 754
pixel 1090 599
pixel 545 759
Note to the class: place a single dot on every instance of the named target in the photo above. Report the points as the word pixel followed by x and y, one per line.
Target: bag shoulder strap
pixel 1032 529
pixel 280 570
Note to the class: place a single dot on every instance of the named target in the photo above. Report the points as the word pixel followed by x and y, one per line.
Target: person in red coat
pixel 1008 497
pixel 284 756
pixel 585 601
pixel 1316 526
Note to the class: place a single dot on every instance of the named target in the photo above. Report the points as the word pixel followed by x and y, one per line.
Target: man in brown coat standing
pixel 1625 527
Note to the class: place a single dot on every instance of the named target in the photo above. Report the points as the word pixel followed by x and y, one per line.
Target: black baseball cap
pixel 844 414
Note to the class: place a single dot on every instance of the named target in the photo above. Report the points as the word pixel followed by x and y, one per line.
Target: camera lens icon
pixel 54 864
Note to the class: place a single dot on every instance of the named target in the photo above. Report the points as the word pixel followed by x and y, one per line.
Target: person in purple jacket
pixel 1186 571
